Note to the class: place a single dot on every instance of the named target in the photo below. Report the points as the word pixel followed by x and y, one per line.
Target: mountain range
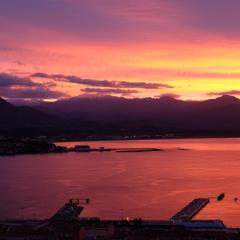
pixel 105 116
pixel 23 118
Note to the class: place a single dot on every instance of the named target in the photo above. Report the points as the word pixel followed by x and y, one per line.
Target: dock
pixel 191 209
pixel 67 224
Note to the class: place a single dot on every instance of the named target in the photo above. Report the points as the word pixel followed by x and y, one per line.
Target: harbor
pixel 67 223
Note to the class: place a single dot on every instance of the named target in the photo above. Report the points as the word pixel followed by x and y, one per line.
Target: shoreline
pixel 140 139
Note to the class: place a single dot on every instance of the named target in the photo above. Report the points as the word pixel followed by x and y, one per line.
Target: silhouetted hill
pixel 4 104
pixel 109 116
pixel 112 115
pixel 105 107
pixel 30 119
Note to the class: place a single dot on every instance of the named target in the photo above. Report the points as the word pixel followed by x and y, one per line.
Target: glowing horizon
pixel 187 48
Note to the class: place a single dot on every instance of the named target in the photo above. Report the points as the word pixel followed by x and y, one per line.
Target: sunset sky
pixel 53 49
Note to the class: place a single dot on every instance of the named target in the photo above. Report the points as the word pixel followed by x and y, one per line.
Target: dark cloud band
pixel 8 80
pixel 231 92
pixel 16 87
pixel 101 83
pixel 109 91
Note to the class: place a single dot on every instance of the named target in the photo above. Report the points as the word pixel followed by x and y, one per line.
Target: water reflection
pixel 147 185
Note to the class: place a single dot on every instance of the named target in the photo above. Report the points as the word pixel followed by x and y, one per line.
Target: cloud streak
pixel 124 92
pixel 16 87
pixel 170 95
pixel 101 83
pixel 231 92
pixel 35 93
pixel 8 80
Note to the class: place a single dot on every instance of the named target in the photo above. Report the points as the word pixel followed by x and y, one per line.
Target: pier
pixel 67 224
pixel 191 209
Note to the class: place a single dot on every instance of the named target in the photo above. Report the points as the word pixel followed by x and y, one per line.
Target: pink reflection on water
pixel 219 144
pixel 152 185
